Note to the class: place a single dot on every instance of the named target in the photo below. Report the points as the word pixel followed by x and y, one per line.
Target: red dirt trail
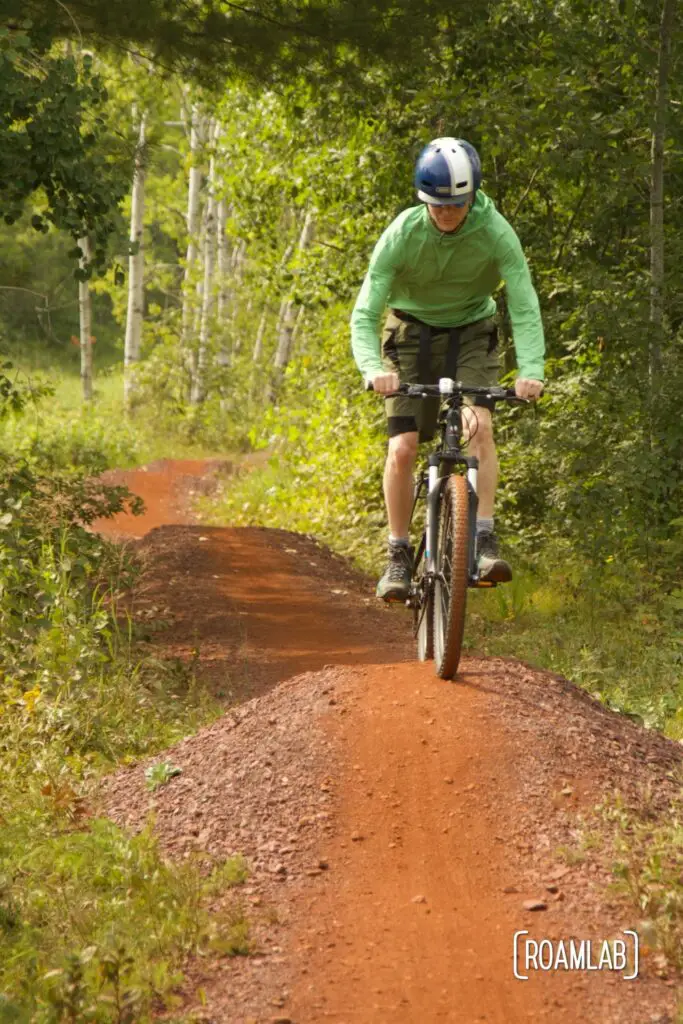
pixel 436 809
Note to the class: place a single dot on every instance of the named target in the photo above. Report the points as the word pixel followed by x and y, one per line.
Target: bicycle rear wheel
pixel 423 609
pixel 450 591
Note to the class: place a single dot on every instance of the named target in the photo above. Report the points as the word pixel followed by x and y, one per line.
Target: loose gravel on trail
pixel 253 783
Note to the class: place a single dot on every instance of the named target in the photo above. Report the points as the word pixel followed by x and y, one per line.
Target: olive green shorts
pixel 478 366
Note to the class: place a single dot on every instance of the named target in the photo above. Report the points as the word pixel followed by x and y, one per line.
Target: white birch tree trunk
pixel 238 257
pixel 193 219
pixel 223 261
pixel 199 383
pixel 85 318
pixel 224 299
pixel 279 323
pixel 288 318
pixel 261 333
pixel 258 344
pixel 238 294
pixel 136 268
pixel 283 305
pixel 284 343
pixel 300 314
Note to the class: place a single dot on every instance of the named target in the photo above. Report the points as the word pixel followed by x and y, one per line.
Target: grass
pixel 95 924
pixel 647 851
pixel 63 431
pixel 643 848
pixel 624 649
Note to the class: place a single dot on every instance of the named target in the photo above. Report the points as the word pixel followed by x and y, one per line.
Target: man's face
pixel 448 218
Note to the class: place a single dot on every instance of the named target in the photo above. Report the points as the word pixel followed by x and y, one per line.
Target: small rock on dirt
pixel 535 905
pixel 558 873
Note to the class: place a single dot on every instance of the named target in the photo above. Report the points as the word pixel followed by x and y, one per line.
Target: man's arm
pixel 525 313
pixel 369 307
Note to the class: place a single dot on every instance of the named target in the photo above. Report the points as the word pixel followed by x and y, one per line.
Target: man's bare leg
pixel 398 494
pixel 478 424
pixel 398 483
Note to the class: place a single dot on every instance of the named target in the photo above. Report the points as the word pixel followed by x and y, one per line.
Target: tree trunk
pixel 258 344
pixel 199 383
pixel 238 258
pixel 287 319
pixel 657 191
pixel 284 341
pixel 223 260
pixel 85 317
pixel 301 312
pixel 282 312
pixel 193 219
pixel 237 267
pixel 136 268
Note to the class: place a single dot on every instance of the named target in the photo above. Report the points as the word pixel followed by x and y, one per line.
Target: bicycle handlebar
pixel 447 388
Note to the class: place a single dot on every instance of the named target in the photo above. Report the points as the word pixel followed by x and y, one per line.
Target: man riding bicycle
pixel 436 266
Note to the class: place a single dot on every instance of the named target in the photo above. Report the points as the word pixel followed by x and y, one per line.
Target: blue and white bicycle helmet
pixel 448 172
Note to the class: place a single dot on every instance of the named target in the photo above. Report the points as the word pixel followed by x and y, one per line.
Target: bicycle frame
pixel 451 455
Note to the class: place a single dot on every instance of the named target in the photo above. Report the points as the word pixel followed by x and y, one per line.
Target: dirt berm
pixel 396 825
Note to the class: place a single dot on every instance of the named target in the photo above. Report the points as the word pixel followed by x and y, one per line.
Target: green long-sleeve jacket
pixel 448 280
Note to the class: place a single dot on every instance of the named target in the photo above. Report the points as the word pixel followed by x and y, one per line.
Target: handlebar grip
pixel 369 386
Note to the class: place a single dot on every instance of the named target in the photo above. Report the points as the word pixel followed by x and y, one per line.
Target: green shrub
pixel 93 923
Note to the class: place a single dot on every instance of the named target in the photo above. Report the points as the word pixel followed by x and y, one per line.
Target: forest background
pixel 190 196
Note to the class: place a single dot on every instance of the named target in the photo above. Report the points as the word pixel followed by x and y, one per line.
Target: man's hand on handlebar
pixel 529 389
pixel 525 390
pixel 385 383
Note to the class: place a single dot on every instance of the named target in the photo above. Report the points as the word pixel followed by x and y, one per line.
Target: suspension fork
pixel 435 485
pixel 433 495
pixel 472 475
pixel 430 479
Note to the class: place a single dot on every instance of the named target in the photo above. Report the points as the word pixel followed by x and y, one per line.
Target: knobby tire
pixel 450 592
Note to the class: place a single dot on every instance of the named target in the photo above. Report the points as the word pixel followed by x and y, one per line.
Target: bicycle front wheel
pixel 452 569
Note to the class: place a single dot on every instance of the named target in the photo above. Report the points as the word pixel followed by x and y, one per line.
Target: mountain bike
pixel 445 560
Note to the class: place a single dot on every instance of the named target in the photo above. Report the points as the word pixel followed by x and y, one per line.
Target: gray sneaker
pixel 395 583
pixel 492 568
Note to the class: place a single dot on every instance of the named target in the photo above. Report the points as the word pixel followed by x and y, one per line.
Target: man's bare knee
pixel 479 427
pixel 403 450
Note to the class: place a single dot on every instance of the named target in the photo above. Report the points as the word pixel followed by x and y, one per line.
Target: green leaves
pixel 160 774
pixel 52 143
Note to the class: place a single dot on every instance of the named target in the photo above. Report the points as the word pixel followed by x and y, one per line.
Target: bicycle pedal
pixel 483 584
